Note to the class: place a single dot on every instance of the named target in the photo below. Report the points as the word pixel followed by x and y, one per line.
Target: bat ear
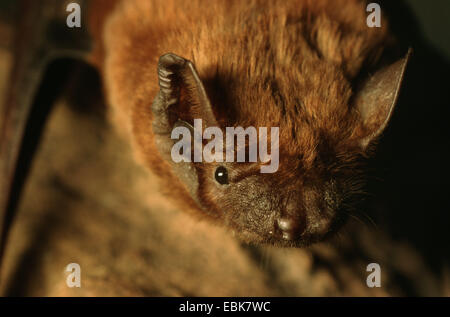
pixel 181 99
pixel 195 93
pixel 182 95
pixel 376 99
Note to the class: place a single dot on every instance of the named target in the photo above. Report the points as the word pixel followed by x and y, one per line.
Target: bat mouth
pixel 294 233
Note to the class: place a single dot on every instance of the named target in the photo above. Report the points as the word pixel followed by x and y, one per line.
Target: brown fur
pixel 264 63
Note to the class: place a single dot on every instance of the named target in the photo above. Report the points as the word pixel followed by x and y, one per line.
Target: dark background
pixel 412 164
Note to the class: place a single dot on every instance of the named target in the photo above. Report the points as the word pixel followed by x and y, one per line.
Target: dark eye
pixel 221 175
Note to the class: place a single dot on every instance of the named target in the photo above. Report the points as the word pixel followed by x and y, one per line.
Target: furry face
pixel 294 208
pixel 297 65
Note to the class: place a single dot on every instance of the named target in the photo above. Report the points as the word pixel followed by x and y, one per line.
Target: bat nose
pixel 291 221
pixel 289 228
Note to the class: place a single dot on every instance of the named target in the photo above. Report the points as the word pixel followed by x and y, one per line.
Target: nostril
pixel 289 228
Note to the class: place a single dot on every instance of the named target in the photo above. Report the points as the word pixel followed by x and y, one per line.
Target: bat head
pixel 291 179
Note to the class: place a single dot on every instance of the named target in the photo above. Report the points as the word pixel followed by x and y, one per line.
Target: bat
pixel 314 69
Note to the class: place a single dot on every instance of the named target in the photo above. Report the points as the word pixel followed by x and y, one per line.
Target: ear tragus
pixel 376 99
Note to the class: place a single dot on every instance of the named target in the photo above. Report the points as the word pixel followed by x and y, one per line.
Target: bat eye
pixel 221 175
